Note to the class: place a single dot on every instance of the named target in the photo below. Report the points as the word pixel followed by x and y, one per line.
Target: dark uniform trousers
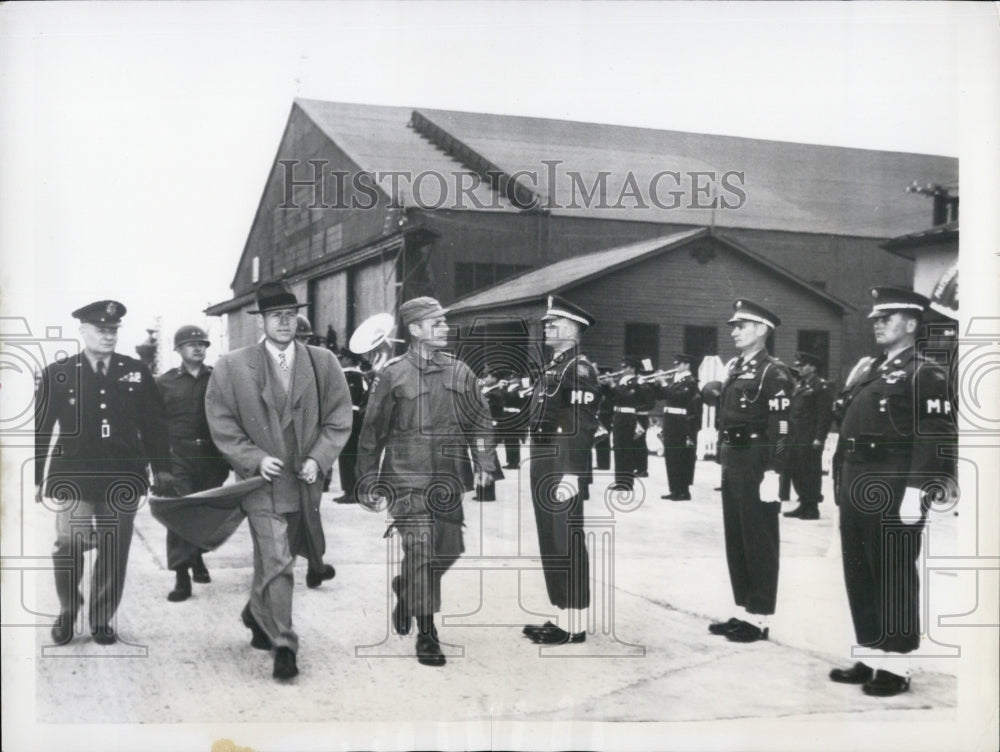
pixel 630 450
pixel 805 471
pixel 196 466
pixel 561 535
pixel 348 458
pixel 751 528
pixel 878 549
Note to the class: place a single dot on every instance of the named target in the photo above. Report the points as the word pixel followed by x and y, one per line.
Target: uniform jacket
pixel 245 423
pixel 426 416
pixel 108 433
pixel 756 398
pixel 682 410
pixel 565 403
pixel 811 411
pixel 903 407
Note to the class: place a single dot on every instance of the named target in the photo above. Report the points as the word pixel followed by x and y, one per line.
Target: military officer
pixel 632 400
pixel 562 437
pixel 752 420
pixel 110 431
pixel 425 412
pixel 894 442
pixel 197 464
pixel 357 383
pixel 681 421
pixel 810 418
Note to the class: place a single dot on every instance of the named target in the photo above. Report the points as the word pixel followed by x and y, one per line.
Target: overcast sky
pixel 136 138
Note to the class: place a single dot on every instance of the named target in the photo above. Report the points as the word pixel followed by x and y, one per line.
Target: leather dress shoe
pixel 556 636
pixel 746 632
pixel 104 635
pixel 721 627
pixel 809 513
pixel 182 588
pixel 859 673
pixel 199 572
pixel 314 579
pixel 401 618
pixel 681 497
pixel 260 640
pixel 62 629
pixel 284 664
pixel 794 513
pixel 530 629
pixel 886 684
pixel 429 649
pixel 345 499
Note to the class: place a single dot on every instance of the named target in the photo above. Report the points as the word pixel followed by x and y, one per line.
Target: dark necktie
pixel 100 370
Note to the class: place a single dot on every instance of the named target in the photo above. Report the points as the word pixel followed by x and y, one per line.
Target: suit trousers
pixel 562 539
pixel 348 459
pixel 92 525
pixel 275 536
pixel 880 556
pixel 751 529
pixel 430 547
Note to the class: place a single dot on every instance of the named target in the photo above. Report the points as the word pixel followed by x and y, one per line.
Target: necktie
pixel 100 369
pixel 282 361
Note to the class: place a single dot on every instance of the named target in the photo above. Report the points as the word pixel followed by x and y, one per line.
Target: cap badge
pixel 111 309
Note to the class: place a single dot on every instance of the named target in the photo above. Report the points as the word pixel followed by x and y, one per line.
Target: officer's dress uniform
pixel 605 418
pixel 753 424
pixel 357 383
pixel 425 415
pixel 896 415
pixel 632 402
pixel 110 430
pixel 196 462
pixel 810 417
pixel 562 436
pixel 681 421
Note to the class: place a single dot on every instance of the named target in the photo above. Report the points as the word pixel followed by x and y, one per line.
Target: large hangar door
pixel 374 290
pixel 328 296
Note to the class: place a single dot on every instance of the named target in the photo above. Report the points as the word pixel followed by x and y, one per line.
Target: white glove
pixel 569 486
pixel 911 511
pixel 769 487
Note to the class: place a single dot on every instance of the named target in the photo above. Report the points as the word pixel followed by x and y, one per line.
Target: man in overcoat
pixel 282 410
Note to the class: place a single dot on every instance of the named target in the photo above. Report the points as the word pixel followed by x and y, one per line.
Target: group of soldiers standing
pixel 412 436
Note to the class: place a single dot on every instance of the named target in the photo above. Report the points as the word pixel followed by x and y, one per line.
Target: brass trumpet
pixel 611 376
pixel 657 375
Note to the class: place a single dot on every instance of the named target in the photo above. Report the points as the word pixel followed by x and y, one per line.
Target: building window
pixel 700 341
pixel 817 342
pixel 643 341
pixel 255 270
pixel 470 276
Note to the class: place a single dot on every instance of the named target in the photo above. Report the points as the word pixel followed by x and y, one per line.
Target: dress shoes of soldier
pixel 804 511
pixel 886 684
pixel 316 578
pixel 429 649
pixel 859 673
pixel 259 640
pixel 62 629
pixel 182 587
pixel 677 497
pixel 284 664
pixel 104 635
pixel 738 630
pixel 721 627
pixel 550 634
pixel 199 572
pixel 346 499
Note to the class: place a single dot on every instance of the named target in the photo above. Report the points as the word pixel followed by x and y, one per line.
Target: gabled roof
pixel 906 245
pixel 788 186
pixel 564 275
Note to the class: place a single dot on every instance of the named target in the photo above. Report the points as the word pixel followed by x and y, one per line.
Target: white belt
pixel 512 409
pixel 675 410
pixel 629 410
pixel 355 408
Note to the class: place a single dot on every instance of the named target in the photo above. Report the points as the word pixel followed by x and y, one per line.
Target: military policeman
pixel 197 464
pixel 562 437
pixel 894 443
pixel 752 420
pixel 681 421
pixel 357 382
pixel 810 418
pixel 631 400
pixel 425 411
pixel 110 431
